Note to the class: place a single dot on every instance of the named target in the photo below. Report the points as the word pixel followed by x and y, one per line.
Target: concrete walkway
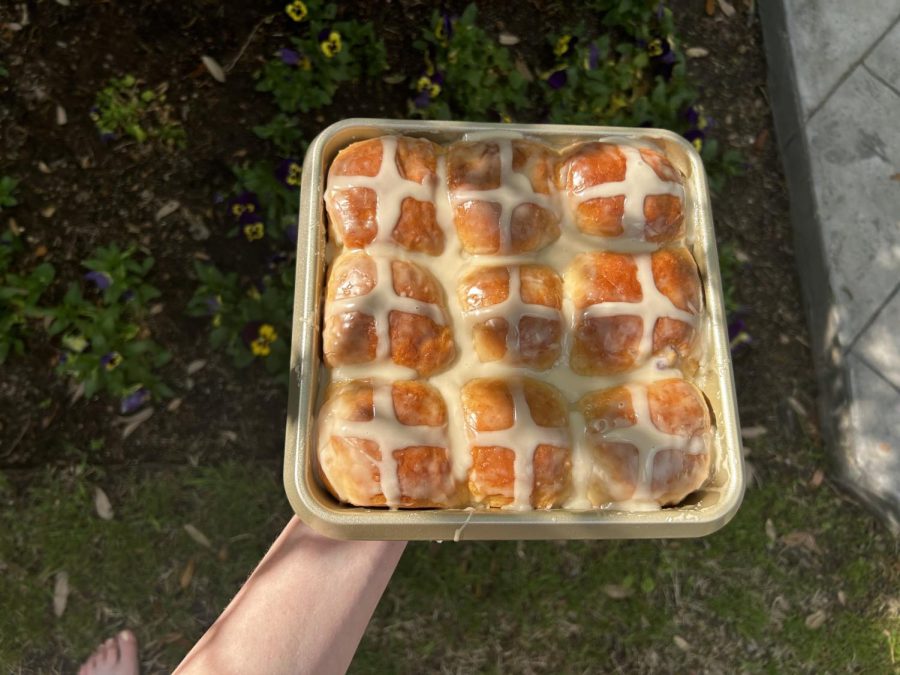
pixel 834 85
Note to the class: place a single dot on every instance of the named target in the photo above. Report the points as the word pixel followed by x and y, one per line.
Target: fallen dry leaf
pixel 797 538
pixel 817 478
pixel 102 505
pixel 393 79
pixel 761 140
pixel 710 7
pixel 726 7
pixel 696 52
pixel 770 530
pixel 167 209
pixel 196 366
pixel 895 176
pixel 842 597
pixel 508 39
pixel 40 251
pixel 61 117
pixel 749 433
pixel 197 535
pixel 43 168
pixel 778 611
pixel 617 592
pixel 48 211
pixel 131 423
pixel 60 593
pixel 816 619
pixel 523 70
pixel 681 643
pixel 796 406
pixel 174 404
pixel 187 574
pixel 214 68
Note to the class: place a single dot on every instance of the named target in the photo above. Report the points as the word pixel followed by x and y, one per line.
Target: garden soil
pixel 77 192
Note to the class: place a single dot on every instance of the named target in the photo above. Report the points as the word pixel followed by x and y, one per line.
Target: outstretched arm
pixel 303 610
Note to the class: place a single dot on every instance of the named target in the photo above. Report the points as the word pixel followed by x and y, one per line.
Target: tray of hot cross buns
pixel 508 331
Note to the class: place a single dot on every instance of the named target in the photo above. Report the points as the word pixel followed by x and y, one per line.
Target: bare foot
pixel 116 656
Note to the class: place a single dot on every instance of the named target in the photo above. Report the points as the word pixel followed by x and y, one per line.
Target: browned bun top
pixel 603 276
pixel 675 274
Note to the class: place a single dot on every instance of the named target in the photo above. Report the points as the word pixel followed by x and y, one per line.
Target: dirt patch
pixel 111 192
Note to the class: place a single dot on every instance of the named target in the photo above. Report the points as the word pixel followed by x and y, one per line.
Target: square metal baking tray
pixel 703 512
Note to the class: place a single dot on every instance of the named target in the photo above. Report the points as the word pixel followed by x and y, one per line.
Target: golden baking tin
pixel 704 512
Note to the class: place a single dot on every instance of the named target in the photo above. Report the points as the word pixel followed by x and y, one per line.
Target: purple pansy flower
pixel 127 295
pixel 692 115
pixel 100 279
pixel 289 172
pixel 111 360
pixel 250 218
pixel 422 100
pixel 558 79
pixel 290 57
pixel 448 24
pixel 134 400
pixel 662 58
pixel 245 202
pixel 593 56
pixel 695 136
pixel 250 332
pixel 213 304
pixel 291 234
pixel 738 336
pixel 108 137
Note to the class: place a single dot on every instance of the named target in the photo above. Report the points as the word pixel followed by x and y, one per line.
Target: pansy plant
pixel 266 201
pixel 20 293
pixel 102 325
pixel 327 52
pixel 124 107
pixel 251 319
pixel 467 74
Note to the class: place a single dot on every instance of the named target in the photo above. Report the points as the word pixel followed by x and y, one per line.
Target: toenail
pixel 126 636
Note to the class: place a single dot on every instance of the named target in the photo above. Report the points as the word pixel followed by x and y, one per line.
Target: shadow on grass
pixel 802 579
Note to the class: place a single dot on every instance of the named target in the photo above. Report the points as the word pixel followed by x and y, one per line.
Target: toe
pixel 128 652
pixel 109 654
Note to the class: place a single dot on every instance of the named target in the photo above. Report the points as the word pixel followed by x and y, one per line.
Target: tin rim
pixel 321 511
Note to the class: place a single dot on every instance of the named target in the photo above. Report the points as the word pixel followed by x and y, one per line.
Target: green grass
pixel 128 571
pixel 737 600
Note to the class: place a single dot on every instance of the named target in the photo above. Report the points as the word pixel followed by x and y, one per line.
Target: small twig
pixel 22 433
pixel 247 42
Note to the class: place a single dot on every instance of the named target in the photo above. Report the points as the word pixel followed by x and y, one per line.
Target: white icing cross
pixel 523 438
pixel 653 306
pixel 390 189
pixel 389 433
pixel 380 302
pixel 640 182
pixel 515 190
pixel 513 309
pixel 649 440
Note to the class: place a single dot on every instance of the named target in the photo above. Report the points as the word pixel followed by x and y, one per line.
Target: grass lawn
pixel 802 580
